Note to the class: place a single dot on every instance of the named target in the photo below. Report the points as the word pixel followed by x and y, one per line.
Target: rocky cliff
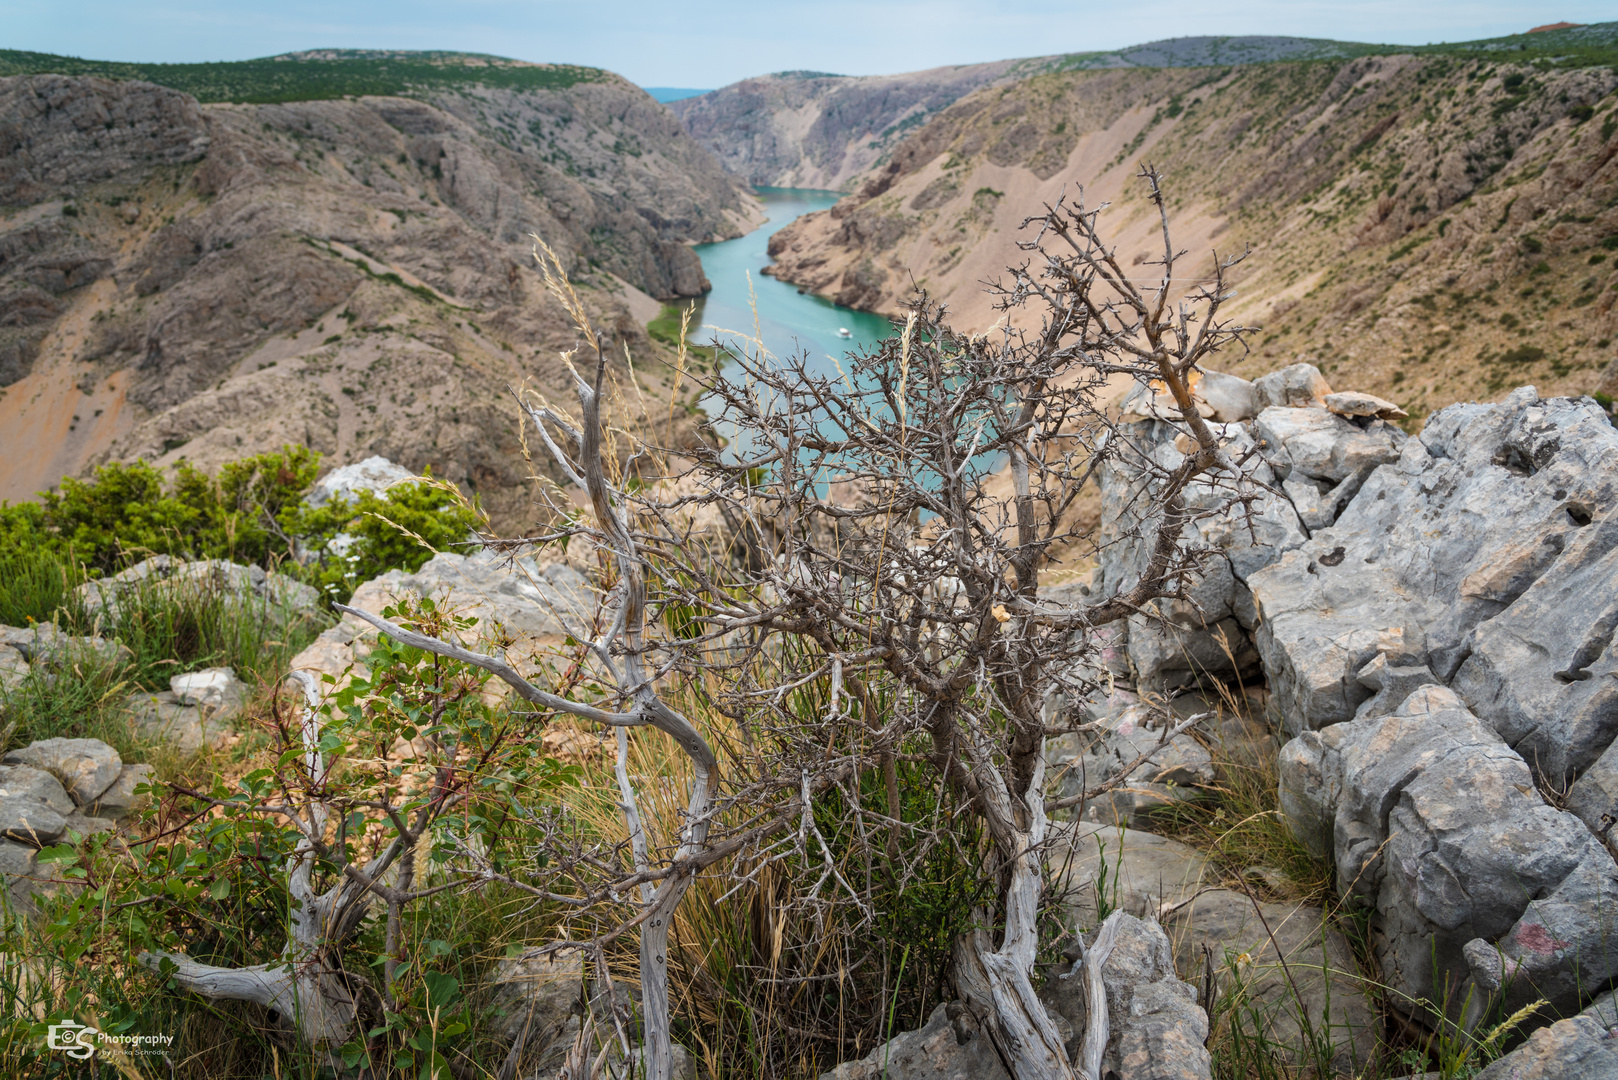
pixel 1431 227
pixel 211 280
pixel 812 129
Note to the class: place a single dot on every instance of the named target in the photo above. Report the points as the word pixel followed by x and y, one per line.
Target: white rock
pixel 1230 397
pixel 212 688
pixel 1297 386
pixel 374 474
pixel 1355 403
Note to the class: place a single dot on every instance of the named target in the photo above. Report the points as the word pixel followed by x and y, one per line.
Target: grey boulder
pixel 161 717
pixel 1296 386
pixel 1582 1047
pixel 1322 446
pixel 34 807
pixel 85 767
pixel 44 645
pixel 1157 1030
pixel 1180 642
pixel 534 996
pixel 122 797
pixel 1127 750
pixel 1435 824
pixel 517 594
pixel 950 1046
pixel 1430 547
pixel 276 595
pixel 13 668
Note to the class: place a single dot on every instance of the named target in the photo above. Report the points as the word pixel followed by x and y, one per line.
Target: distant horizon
pixel 725 41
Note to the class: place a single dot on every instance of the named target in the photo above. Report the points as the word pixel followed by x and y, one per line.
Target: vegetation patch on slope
pixel 316 75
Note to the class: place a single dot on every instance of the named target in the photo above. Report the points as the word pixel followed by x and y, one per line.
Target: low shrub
pixel 252 511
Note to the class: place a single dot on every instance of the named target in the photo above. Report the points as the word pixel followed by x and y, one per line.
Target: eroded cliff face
pixel 806 129
pixel 210 281
pixel 1432 229
pixel 811 129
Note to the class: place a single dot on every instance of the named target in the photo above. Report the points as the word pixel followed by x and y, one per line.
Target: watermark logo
pixel 81 1041
pixel 77 1039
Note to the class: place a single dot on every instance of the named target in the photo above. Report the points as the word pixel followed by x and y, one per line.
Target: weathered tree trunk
pixel 307 985
pixel 998 981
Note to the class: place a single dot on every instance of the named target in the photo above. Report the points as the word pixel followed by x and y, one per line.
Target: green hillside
pixel 1579 46
pixel 315 75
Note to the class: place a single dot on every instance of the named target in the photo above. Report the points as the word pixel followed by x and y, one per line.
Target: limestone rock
pixel 1138 872
pixel 375 474
pixel 84 130
pixel 1220 397
pixel 18 866
pixel 281 596
pixel 1471 516
pixel 1436 825
pixel 121 799
pixel 215 689
pixel 1320 445
pixel 1248 962
pixel 1353 403
pixel 1582 1047
pixel 46 645
pixel 13 668
pixel 1544 672
pixel 1230 397
pixel 1297 386
pixel 535 992
pixel 1171 774
pixel 1157 1028
pixel 33 805
pixel 1181 642
pixel 950 1046
pixel 86 767
pixel 528 600
pixel 161 717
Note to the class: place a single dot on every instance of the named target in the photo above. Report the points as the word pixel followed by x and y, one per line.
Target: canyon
pixel 209 280
pixel 1431 228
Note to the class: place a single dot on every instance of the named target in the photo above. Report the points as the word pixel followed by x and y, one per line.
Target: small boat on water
pixel 843 331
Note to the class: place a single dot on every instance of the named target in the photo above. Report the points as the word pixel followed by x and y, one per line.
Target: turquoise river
pixel 789 322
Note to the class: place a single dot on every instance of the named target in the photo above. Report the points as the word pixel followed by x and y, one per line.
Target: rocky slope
pixel 211 280
pixel 1433 227
pixel 817 130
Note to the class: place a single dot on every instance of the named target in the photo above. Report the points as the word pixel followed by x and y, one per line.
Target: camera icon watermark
pixel 72 1037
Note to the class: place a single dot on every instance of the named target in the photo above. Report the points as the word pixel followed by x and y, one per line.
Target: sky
pixel 711 44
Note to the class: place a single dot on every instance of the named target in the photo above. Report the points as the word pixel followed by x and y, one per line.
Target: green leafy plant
pixel 401 528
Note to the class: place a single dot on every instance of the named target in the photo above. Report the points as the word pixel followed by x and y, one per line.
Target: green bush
pixel 1523 354
pixel 124 513
pixel 251 512
pixel 399 529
